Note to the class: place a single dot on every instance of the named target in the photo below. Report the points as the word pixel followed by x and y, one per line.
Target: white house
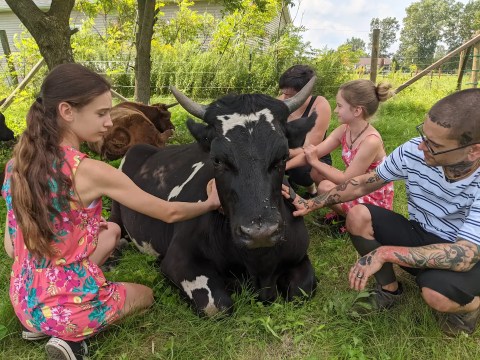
pixel 12 25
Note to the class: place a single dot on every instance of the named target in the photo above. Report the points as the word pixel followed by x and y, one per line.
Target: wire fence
pixel 124 68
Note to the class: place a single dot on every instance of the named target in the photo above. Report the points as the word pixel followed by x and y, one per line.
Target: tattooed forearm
pixel 343 186
pixel 459 256
pixel 375 178
pixel 349 190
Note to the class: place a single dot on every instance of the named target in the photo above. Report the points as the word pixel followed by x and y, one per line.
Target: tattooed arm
pixel 349 190
pixel 459 256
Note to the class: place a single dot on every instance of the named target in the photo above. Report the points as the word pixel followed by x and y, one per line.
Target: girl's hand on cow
pixel 365 267
pixel 301 205
pixel 310 152
pixel 212 193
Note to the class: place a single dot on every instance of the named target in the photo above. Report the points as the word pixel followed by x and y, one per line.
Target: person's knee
pixel 325 186
pixel 148 297
pixel 113 240
pixel 436 300
pixel 359 221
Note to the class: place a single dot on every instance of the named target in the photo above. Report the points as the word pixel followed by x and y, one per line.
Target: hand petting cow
pixel 134 123
pixel 244 146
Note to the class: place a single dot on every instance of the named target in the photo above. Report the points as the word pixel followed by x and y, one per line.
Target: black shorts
pixel 301 175
pixel 390 228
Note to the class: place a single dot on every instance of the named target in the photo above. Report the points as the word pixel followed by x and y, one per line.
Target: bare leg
pixel 441 303
pixel 108 239
pixel 138 297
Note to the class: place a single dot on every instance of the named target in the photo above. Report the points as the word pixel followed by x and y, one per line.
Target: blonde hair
pixel 366 94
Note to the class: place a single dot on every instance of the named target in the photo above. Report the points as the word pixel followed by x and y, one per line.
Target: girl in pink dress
pixel 362 145
pixel 55 232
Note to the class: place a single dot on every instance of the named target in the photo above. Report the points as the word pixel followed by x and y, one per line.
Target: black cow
pixel 5 133
pixel 255 238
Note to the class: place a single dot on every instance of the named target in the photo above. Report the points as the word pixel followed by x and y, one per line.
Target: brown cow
pixel 135 123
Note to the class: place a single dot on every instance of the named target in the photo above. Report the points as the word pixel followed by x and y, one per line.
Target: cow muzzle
pixel 259 235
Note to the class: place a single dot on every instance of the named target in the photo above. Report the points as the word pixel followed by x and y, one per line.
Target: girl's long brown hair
pixel 38 158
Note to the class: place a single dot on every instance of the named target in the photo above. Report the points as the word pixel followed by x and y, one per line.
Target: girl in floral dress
pixel 361 144
pixel 54 230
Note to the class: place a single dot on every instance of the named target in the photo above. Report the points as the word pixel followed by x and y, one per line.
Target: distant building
pixel 364 63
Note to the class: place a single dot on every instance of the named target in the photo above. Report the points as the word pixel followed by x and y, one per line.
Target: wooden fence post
pixel 8 57
pixel 374 58
pixel 476 63
pixel 462 65
pixel 469 43
pixel 24 83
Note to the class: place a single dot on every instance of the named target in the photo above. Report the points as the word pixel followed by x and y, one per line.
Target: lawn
pixel 315 329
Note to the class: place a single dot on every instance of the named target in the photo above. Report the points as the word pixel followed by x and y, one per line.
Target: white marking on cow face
pixel 235 119
pixel 177 189
pixel 199 283
pixel 144 247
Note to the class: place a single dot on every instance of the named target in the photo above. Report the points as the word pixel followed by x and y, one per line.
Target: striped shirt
pixel 448 210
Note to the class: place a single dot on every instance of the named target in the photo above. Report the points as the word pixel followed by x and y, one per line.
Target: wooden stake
pixel 374 57
pixel 22 85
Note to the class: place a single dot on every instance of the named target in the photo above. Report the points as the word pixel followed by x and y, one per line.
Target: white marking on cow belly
pixel 145 247
pixel 178 189
pixel 199 283
pixel 236 119
pixel 121 163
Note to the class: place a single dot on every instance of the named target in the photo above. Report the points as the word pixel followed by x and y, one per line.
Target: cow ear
pixel 204 134
pixel 298 129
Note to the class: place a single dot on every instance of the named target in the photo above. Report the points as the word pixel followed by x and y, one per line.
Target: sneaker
pixel 33 336
pixel 454 324
pixel 58 349
pixel 377 299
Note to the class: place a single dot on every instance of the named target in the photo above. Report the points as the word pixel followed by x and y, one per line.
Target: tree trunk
pixel 50 29
pixel 143 41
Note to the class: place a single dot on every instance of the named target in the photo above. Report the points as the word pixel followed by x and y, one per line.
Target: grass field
pixel 315 329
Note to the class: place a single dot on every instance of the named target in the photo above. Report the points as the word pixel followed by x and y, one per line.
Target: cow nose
pixel 259 235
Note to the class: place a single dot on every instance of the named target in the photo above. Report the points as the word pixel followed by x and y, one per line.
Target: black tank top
pixel 327 159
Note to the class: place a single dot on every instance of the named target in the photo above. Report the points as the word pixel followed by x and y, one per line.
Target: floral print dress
pixel 66 296
pixel 382 197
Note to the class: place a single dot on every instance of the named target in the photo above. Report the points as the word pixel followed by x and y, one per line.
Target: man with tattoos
pixel 440 242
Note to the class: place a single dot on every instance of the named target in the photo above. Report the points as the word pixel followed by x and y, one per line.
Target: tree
pixel 50 29
pixel 356 44
pixel 422 30
pixel 388 33
pixel 147 15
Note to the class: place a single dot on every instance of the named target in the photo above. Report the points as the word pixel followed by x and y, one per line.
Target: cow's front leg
pixel 299 280
pixel 200 283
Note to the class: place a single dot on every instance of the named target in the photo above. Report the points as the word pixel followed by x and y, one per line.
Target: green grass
pixel 315 329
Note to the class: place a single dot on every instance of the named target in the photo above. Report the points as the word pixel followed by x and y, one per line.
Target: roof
pixel 367 61
pixel 42 4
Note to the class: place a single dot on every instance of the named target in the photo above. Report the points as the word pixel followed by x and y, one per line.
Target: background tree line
pixel 144 52
pixel 431 29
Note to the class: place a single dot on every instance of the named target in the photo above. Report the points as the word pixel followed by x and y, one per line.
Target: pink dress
pixel 382 197
pixel 66 296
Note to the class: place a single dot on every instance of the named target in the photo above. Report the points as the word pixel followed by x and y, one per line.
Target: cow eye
pixel 279 164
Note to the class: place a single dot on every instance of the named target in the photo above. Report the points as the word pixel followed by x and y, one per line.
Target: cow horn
pixel 171 105
pixel 296 101
pixel 191 106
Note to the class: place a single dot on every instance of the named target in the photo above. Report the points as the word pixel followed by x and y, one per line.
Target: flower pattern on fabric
pixel 382 197
pixel 66 296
